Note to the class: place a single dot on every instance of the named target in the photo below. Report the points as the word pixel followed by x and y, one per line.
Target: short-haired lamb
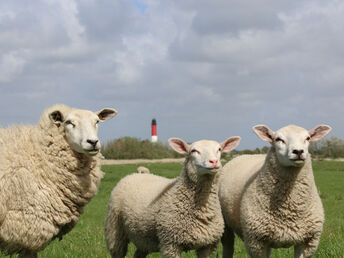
pixel 170 215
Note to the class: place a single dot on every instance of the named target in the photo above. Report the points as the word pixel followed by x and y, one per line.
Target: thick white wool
pixel 43 185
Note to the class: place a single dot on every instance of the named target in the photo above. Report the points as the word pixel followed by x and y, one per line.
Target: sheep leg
pixel 170 251
pixel 119 248
pixel 227 241
pixel 140 254
pixel 27 254
pixel 116 239
pixel 298 251
pixel 207 251
pixel 257 249
pixel 308 249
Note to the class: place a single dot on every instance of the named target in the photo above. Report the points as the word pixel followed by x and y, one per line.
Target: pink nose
pixel 213 162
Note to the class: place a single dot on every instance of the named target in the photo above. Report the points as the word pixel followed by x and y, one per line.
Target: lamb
pixel 272 201
pixel 170 215
pixel 48 172
pixel 143 170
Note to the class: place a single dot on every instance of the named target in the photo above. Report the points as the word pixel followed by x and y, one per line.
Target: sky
pixel 204 69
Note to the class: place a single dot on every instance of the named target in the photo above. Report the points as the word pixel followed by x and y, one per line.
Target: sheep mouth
pixel 207 170
pixel 212 169
pixel 92 152
pixel 297 160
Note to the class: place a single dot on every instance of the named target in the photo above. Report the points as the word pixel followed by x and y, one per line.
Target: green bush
pixel 135 148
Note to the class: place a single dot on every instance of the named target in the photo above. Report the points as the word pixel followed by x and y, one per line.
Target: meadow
pixel 87 238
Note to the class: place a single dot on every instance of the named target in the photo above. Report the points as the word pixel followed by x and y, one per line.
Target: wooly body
pixel 48 172
pixel 271 201
pixel 170 215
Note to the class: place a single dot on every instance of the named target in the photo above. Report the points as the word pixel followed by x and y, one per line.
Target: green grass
pixel 87 238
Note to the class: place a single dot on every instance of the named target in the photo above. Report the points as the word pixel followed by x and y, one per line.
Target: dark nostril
pixel 92 142
pixel 213 161
pixel 298 152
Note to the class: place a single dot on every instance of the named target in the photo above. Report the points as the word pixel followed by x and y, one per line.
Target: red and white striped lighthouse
pixel 154 131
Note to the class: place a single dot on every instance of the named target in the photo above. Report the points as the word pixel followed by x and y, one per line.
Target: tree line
pixel 135 148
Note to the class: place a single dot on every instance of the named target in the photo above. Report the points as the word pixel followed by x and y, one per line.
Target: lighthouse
pixel 154 131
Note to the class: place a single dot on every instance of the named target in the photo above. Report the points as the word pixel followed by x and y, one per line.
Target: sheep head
pixel 81 127
pixel 204 154
pixel 291 142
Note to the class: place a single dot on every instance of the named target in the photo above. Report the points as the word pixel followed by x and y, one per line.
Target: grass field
pixel 87 238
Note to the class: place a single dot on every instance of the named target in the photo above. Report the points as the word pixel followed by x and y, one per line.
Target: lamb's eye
pixel 219 149
pixel 195 151
pixel 68 122
pixel 278 139
pixel 308 138
pixel 97 122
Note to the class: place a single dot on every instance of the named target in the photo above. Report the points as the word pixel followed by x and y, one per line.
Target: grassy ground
pixel 87 238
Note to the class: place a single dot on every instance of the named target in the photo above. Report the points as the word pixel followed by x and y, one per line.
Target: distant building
pixel 154 131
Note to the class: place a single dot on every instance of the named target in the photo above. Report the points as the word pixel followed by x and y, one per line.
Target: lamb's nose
pixel 213 162
pixel 92 142
pixel 298 152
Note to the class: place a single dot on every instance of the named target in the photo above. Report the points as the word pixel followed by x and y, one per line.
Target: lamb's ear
pixel 56 117
pixel 106 114
pixel 230 144
pixel 264 132
pixel 319 132
pixel 179 145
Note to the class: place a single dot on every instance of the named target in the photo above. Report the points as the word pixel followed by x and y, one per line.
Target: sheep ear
pixel 264 132
pixel 179 145
pixel 319 132
pixel 230 144
pixel 106 114
pixel 56 117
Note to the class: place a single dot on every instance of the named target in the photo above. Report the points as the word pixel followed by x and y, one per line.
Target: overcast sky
pixel 203 69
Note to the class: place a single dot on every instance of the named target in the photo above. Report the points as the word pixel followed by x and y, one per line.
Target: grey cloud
pixel 204 69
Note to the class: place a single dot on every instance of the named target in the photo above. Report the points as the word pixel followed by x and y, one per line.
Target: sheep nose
pixel 213 162
pixel 92 142
pixel 298 152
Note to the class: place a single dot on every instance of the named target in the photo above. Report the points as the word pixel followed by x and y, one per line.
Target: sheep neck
pixel 60 153
pixel 285 185
pixel 69 169
pixel 202 189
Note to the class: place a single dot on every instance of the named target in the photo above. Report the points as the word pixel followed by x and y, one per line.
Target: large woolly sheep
pixel 271 201
pixel 170 215
pixel 48 172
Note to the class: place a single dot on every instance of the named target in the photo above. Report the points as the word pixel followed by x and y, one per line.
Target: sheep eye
pixel 97 122
pixel 68 122
pixel 219 149
pixel 308 138
pixel 195 151
pixel 279 140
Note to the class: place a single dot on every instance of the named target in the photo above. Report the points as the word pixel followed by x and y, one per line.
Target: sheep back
pixel 133 202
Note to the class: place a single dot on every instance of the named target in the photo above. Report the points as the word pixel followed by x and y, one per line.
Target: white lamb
pixel 48 172
pixel 271 201
pixel 170 215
